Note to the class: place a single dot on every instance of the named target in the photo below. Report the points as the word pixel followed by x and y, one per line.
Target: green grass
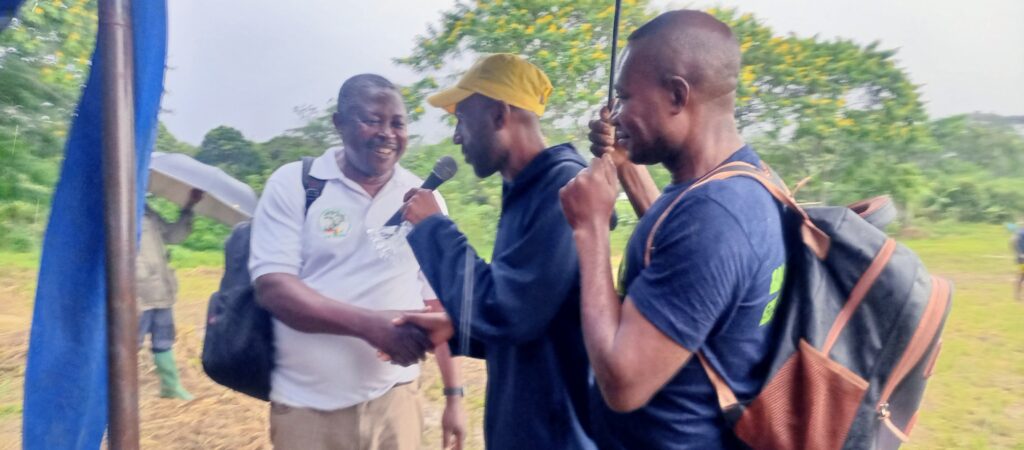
pixel 10 409
pixel 29 260
pixel 183 258
pixel 976 396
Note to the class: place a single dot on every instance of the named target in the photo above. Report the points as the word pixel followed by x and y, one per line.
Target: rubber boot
pixel 170 384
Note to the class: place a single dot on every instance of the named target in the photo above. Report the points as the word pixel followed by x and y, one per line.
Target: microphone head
pixel 445 168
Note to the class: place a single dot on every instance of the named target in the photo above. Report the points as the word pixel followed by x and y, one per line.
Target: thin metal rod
pixel 119 220
pixel 615 48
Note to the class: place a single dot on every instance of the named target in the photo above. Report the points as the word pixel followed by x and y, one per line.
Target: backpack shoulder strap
pixel 311 185
pixel 813 237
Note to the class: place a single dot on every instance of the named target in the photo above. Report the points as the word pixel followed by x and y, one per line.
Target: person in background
pixel 1017 244
pixel 156 291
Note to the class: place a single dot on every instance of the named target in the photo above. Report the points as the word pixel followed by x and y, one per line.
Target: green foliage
pixel 570 41
pixel 250 162
pixel 287 148
pixel 974 197
pixel 815 88
pixel 842 113
pixel 44 59
pixel 976 173
pixel 166 142
pixel 991 145
pixel 226 148
pixel 55 39
pixel 834 110
pixel 21 224
pixel 318 131
pixel 473 204
pixel 184 258
pixel 207 234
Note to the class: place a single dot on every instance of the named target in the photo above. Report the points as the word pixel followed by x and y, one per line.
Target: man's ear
pixel 679 89
pixel 337 120
pixel 501 112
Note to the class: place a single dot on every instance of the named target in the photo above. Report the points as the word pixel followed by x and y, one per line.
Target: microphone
pixel 444 169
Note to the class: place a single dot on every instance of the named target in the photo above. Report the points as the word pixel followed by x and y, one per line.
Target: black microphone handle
pixel 431 183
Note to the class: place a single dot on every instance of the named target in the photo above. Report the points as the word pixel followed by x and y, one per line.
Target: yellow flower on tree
pixel 747 75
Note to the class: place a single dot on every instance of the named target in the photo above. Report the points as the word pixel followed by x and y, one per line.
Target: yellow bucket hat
pixel 501 76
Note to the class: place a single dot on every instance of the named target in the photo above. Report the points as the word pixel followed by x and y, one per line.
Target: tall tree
pixel 570 41
pixel 834 110
pixel 166 142
pixel 228 149
pixel 823 108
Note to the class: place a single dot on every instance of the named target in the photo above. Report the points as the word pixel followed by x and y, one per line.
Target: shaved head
pixel 693 45
pixel 676 93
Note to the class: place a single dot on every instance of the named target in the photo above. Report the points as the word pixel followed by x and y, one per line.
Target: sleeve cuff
pixel 430 222
pixel 264 269
pixel 424 235
pixel 652 311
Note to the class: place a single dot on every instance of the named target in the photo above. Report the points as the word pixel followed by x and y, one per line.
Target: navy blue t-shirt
pixel 714 279
pixel 1020 246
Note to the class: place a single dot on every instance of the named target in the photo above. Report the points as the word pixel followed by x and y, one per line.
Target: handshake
pixel 405 337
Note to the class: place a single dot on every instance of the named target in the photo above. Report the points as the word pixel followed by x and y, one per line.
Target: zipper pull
pixel 883 411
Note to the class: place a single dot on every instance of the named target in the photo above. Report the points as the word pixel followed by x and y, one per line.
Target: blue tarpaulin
pixel 66 374
pixel 7 10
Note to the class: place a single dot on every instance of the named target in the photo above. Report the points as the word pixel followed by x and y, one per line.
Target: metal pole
pixel 615 47
pixel 119 220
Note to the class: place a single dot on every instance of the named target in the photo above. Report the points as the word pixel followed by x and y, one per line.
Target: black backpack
pixel 858 329
pixel 238 349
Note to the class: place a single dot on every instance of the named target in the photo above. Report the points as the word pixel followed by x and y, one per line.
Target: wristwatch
pixel 453 391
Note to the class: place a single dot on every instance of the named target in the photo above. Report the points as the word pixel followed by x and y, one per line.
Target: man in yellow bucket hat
pixel 521 312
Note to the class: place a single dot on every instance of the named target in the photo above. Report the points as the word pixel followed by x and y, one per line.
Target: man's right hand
pixel 437 325
pixel 405 344
pixel 194 196
pixel 602 138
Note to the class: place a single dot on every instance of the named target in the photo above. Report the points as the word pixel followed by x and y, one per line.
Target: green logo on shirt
pixel 778 275
pixel 333 223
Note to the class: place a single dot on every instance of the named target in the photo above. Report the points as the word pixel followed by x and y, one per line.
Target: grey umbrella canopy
pixel 227 200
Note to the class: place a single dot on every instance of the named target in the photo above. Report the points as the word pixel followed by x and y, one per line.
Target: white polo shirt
pixel 331 251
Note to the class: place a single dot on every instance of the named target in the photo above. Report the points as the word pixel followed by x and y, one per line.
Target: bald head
pixel 693 45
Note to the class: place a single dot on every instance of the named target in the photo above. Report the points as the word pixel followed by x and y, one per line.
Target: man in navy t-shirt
pixel 1018 249
pixel 717 259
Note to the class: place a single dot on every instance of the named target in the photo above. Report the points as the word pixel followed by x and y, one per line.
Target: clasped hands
pixel 405 337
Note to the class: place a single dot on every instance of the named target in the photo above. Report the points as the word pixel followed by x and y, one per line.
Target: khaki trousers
pixel 393 421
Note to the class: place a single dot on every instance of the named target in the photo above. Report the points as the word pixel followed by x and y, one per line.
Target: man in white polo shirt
pixel 333 295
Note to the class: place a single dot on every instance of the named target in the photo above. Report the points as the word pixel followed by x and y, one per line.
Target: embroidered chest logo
pixel 333 223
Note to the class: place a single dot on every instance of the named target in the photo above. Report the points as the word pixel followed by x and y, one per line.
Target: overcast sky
pixel 249 63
